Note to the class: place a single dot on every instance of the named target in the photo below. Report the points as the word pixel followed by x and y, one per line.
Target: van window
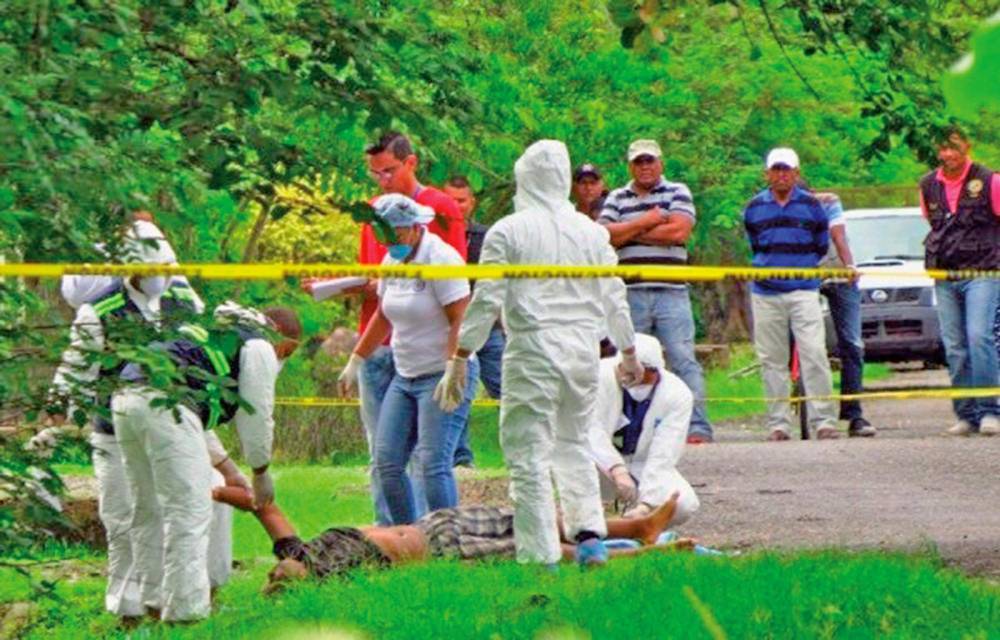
pixel 888 237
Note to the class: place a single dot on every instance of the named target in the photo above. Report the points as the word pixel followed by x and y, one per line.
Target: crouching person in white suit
pixel 639 432
pixel 167 461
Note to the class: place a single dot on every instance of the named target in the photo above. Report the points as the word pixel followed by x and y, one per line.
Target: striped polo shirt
pixel 796 234
pixel 625 203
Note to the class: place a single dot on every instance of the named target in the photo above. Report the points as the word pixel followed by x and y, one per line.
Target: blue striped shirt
pixel 796 234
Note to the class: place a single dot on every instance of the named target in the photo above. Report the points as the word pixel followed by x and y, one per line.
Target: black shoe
pixel 861 428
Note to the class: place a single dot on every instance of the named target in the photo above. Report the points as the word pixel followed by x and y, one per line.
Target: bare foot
pixel 656 523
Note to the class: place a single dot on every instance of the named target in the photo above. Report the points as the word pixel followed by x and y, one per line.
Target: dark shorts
pixel 335 551
pixel 469 532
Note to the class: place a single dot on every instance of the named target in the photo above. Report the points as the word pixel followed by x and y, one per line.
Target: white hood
pixel 543 178
pixel 889 274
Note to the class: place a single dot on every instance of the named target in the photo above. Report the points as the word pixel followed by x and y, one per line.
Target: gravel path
pixel 908 488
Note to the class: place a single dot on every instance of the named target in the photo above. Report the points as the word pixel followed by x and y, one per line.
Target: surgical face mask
pixel 153 286
pixel 640 392
pixel 400 251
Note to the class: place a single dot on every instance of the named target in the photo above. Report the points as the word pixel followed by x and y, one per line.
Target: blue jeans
pixel 966 309
pixel 845 310
pixel 411 422
pixel 490 358
pixel 376 374
pixel 665 312
pixel 463 453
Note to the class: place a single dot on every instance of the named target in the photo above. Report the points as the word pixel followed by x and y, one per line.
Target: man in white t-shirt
pixel 424 317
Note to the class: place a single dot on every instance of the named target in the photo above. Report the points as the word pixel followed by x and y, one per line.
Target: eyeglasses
pixel 378 175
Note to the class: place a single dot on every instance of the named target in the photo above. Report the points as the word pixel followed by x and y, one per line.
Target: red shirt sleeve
pixel 453 229
pixel 995 193
pixel 369 252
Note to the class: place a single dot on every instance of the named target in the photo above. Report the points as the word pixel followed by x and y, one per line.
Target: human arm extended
pixel 258 375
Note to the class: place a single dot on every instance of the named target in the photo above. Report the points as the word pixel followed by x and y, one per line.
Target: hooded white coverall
pixel 663 436
pixel 115 503
pixel 550 364
pixel 169 471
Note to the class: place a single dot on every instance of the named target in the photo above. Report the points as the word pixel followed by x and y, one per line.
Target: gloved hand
pixel 630 370
pixel 347 381
pixel 625 486
pixel 640 510
pixel 44 442
pixel 263 489
pixel 450 389
pixel 232 474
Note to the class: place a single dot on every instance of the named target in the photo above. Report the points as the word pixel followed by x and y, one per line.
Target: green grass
pixel 821 595
pixel 774 595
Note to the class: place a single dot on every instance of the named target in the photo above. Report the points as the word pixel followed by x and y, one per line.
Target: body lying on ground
pixel 465 532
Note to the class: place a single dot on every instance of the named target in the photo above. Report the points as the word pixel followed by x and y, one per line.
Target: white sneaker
pixel 989 426
pixel 960 428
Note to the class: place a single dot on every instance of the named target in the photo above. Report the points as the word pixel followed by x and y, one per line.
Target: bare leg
pixel 646 529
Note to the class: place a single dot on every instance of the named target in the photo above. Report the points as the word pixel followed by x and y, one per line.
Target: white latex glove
pixel 630 370
pixel 450 389
pixel 263 489
pixel 44 442
pixel 640 510
pixel 347 381
pixel 232 474
pixel 625 486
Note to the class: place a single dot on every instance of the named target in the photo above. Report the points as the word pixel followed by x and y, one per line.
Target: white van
pixel 898 314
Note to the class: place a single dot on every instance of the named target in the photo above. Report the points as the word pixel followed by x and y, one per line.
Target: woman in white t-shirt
pixel 424 317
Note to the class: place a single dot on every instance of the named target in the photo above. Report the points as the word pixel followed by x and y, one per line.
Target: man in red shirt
pixel 961 201
pixel 393 165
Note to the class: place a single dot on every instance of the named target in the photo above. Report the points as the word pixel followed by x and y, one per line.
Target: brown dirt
pixel 908 488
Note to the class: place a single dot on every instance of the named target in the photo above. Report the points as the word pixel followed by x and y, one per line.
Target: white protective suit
pixel 663 436
pixel 178 550
pixel 550 363
pixel 114 496
pixel 78 289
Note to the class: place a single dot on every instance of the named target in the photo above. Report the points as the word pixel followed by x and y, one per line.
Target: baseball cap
pixel 401 211
pixel 784 157
pixel 644 148
pixel 586 170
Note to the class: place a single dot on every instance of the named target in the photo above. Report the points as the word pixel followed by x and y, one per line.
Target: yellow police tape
pixel 669 273
pixel 902 394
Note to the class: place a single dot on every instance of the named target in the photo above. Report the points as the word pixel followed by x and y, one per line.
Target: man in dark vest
pixel 224 374
pixel 961 201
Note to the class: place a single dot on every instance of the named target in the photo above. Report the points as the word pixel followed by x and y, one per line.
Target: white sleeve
pixel 448 291
pixel 605 422
pixel 487 299
pixel 258 374
pixel 216 451
pixel 77 290
pixel 617 313
pixel 86 337
pixel 671 408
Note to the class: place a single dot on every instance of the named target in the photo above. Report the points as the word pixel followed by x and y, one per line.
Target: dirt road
pixel 908 488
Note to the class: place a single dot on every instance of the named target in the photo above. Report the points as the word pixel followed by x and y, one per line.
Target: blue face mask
pixel 400 251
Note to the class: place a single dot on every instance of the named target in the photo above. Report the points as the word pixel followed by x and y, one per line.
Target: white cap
pixel 644 148
pixel 782 155
pixel 648 351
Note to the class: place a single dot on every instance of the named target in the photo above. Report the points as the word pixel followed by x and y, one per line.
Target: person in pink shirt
pixel 961 201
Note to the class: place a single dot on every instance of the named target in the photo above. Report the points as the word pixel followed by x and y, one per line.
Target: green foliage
pixel 972 86
pixel 894 52
pixel 821 595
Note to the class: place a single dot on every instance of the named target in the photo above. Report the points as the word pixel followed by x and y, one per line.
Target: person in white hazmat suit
pixel 98 301
pixel 166 459
pixel 638 435
pixel 551 361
